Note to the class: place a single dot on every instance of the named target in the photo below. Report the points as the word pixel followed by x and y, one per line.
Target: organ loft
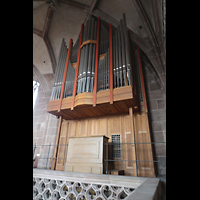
pixel 98 90
pixel 99 99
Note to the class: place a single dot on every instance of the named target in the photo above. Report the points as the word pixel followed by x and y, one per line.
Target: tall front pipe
pixel 114 60
pixel 120 56
pixel 65 72
pixel 61 72
pixel 96 64
pixel 85 63
pixel 123 53
pixel 117 58
pixel 93 57
pixel 111 64
pixel 90 56
pixel 77 67
pixel 128 55
pixel 57 72
pixel 82 58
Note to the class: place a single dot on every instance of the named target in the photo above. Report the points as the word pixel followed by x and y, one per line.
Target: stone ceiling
pixel 144 19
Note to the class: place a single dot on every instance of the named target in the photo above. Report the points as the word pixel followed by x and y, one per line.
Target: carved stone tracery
pixel 60 189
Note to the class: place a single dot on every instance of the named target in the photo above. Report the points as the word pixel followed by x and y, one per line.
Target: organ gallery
pixel 99 96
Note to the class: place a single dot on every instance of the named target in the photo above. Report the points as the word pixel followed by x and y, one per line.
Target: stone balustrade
pixel 60 185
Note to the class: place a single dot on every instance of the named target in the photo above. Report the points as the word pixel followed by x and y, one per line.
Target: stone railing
pixel 59 185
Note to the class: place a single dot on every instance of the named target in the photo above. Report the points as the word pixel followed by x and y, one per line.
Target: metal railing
pixel 127 150
pixel 45 154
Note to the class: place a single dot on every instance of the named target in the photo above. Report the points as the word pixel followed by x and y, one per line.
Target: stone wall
pixel 44 124
pixel 156 103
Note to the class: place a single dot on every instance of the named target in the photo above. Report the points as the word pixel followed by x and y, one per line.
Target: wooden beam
pixel 77 66
pixel 96 64
pixel 53 166
pixel 65 72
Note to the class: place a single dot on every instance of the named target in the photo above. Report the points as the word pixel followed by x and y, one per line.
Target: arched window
pixel 35 91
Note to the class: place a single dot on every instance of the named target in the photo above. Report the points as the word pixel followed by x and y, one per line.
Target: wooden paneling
pixel 114 125
pixel 103 96
pixel 53 105
pixel 102 127
pixel 122 93
pixel 143 151
pixel 66 102
pixel 92 127
pixel 62 149
pixel 128 148
pixel 127 126
pixel 86 154
pixel 71 129
pixel 85 98
pixel 83 105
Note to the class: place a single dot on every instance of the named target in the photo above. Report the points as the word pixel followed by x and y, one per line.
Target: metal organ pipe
pixel 85 65
pixel 111 40
pixel 128 56
pixel 81 61
pixel 123 54
pixel 90 57
pixel 120 58
pixel 59 72
pixel 87 60
pixel 114 38
pixel 117 57
pixel 93 57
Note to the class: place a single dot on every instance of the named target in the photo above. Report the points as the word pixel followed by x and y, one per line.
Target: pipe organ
pixel 99 64
pixel 98 85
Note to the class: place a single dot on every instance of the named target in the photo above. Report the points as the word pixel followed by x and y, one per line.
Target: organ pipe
pixel 85 76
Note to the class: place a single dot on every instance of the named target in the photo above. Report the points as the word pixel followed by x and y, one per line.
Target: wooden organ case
pixel 99 90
